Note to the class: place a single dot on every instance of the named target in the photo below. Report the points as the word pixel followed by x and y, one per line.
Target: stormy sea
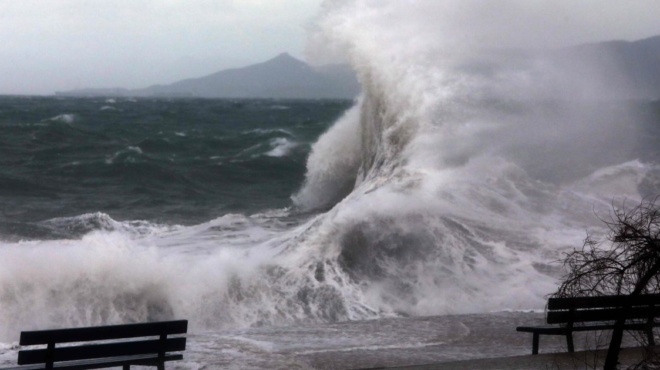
pixel 320 233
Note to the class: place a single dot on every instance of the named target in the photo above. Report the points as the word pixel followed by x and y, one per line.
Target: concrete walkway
pixel 550 361
pixel 484 341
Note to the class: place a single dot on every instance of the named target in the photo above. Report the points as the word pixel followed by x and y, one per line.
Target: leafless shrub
pixel 626 262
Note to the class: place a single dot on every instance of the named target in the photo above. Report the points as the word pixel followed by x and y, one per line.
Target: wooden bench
pixel 108 348
pixel 596 313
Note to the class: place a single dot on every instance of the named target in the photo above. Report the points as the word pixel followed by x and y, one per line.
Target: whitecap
pixel 281 147
pixel 130 149
pixel 65 118
pixel 267 131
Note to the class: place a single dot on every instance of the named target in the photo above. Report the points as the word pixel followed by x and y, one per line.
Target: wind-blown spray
pixel 463 171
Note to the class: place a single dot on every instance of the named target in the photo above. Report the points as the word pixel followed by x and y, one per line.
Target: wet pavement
pixel 479 341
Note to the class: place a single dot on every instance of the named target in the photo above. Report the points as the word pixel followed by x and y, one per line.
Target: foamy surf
pixel 452 186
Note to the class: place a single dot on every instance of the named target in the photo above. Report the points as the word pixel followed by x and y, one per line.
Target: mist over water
pixel 458 178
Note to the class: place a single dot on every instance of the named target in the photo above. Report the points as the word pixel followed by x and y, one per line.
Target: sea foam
pixel 455 183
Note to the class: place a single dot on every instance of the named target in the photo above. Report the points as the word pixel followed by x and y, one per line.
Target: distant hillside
pixel 626 69
pixel 617 70
pixel 282 77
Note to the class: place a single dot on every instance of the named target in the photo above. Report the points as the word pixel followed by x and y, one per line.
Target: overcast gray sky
pixel 50 45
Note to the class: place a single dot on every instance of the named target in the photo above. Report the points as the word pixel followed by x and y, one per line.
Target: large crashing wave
pixel 452 186
pixel 473 158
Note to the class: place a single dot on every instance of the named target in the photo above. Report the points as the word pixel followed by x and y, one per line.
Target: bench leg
pixel 569 341
pixel 127 367
pixel 535 344
pixel 649 335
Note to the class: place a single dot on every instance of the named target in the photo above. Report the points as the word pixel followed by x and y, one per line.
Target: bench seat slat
pixel 607 314
pixel 542 330
pixel 103 363
pixel 85 352
pixel 560 330
pixel 103 332
pixel 603 301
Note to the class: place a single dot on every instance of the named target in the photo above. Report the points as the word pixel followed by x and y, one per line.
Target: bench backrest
pixel 103 333
pixel 603 308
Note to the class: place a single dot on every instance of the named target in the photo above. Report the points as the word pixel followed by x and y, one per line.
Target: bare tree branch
pixel 626 262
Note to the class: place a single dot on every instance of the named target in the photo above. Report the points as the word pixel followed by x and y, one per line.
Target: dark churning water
pixel 163 161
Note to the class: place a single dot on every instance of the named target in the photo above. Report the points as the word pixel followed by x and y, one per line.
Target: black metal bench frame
pixel 107 347
pixel 596 313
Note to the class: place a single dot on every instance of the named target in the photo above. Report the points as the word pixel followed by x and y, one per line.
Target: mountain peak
pixel 285 59
pixel 283 76
pixel 284 55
